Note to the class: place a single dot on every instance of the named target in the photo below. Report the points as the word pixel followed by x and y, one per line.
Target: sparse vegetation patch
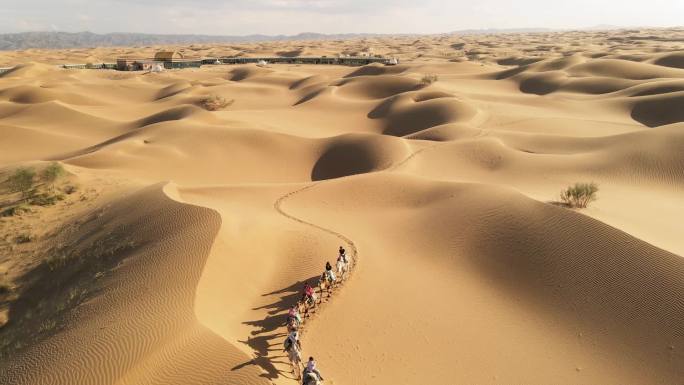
pixel 35 188
pixel 579 195
pixel 428 79
pixel 40 284
pixel 22 181
pixel 215 102
pixel 45 199
pixel 15 211
pixel 23 238
pixel 51 173
pixel 62 281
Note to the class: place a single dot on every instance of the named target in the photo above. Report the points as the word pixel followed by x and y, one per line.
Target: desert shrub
pixel 45 199
pixel 57 261
pixel 429 79
pixel 101 251
pixel 15 211
pixel 69 189
pixel 47 325
pixel 23 238
pixel 75 294
pixel 51 173
pixel 22 181
pixel 215 102
pixel 579 195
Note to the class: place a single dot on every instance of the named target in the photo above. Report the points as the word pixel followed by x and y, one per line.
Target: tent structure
pixel 168 56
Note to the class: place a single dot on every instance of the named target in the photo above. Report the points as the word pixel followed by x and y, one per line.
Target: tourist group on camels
pixel 310 375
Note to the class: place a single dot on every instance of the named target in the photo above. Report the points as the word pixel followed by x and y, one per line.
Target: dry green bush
pixel 429 79
pixel 51 173
pixel 215 102
pixel 22 181
pixel 47 326
pixel 23 238
pixel 15 211
pixel 579 195
pixel 45 199
pixel 25 181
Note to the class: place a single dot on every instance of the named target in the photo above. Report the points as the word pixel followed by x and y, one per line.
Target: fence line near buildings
pixel 350 61
pixel 94 66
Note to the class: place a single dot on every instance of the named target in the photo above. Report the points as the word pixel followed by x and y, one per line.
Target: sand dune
pixel 24 70
pixel 494 257
pixel 358 154
pixel 31 95
pixel 173 89
pixel 576 74
pixel 623 69
pixel 675 60
pixel 407 114
pixel 658 110
pixel 177 113
pixel 376 87
pixel 179 232
pixel 156 262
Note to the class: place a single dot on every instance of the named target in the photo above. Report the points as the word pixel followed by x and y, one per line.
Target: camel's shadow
pixel 265 339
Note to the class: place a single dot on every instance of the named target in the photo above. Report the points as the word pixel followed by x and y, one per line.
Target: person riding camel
pixel 293 347
pixel 341 265
pixel 308 294
pixel 310 370
pixel 292 324
pixel 343 254
pixel 305 291
pixel 330 275
pixel 293 313
pixel 292 340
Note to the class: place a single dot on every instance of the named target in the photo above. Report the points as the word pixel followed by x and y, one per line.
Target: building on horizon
pixel 168 59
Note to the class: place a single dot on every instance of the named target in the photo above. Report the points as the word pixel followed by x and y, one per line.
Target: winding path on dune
pixel 277 205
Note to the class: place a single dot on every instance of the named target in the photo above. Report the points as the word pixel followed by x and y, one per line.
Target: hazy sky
pixel 232 17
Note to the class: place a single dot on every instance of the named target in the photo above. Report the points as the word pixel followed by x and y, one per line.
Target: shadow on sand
pixel 265 339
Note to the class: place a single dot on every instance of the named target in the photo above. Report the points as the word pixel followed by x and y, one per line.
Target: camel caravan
pixel 311 298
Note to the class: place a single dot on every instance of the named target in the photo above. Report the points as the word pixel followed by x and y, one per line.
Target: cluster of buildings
pixel 161 60
pixel 176 60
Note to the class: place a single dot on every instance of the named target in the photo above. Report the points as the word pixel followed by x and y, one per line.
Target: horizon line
pixel 512 29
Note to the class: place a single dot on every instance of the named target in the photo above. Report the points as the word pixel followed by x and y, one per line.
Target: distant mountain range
pixel 26 40
pixel 58 40
pixel 490 31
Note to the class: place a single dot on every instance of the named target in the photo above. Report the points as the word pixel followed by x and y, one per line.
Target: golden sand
pixel 185 243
